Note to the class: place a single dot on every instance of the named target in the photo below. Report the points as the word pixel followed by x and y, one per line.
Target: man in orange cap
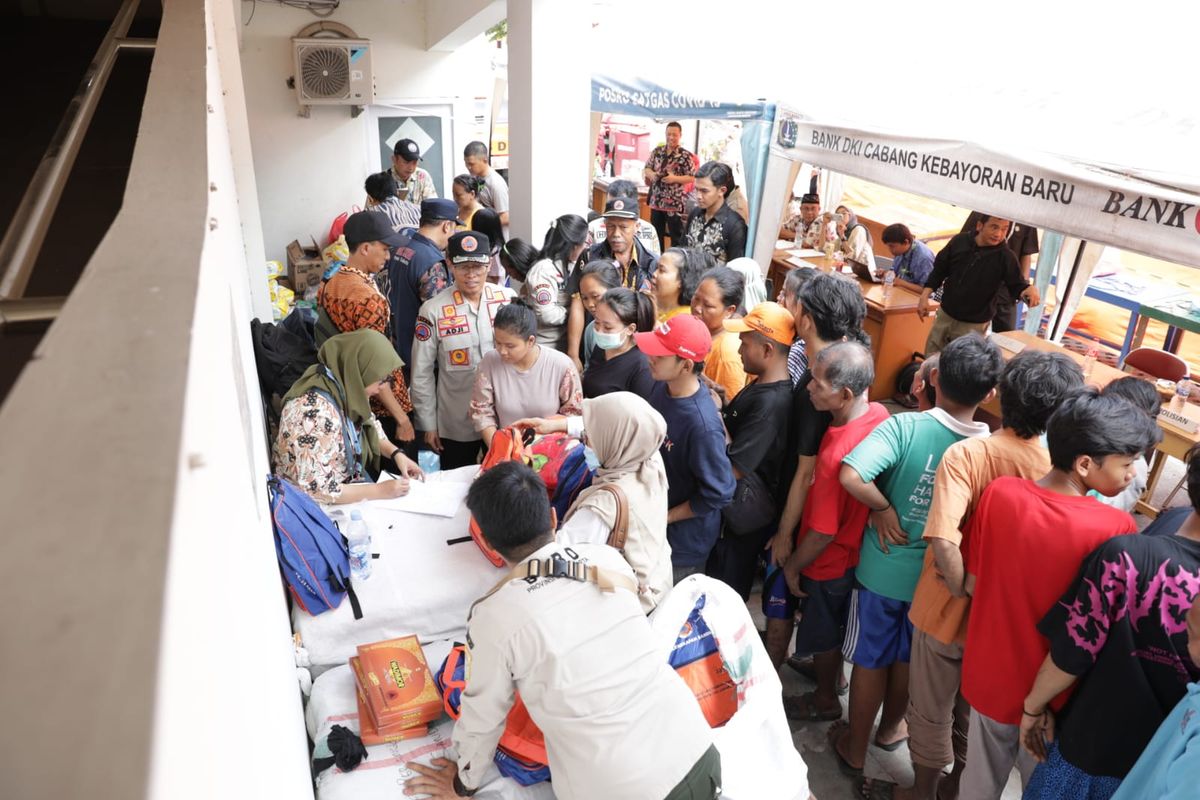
pixel 756 449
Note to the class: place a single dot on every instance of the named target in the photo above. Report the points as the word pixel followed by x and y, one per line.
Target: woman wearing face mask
pixel 718 298
pixel 328 439
pixel 625 433
pixel 595 278
pixel 675 280
pixel 521 378
pixel 617 365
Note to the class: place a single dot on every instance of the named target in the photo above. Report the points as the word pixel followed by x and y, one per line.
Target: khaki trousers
pixel 937 713
pixel 946 329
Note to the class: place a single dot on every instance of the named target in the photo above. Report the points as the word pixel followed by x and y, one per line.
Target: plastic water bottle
pixel 429 461
pixel 1089 359
pixel 359 537
pixel 1183 390
pixel 889 280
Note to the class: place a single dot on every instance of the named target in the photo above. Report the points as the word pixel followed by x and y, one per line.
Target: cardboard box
pixel 304 267
pixel 397 684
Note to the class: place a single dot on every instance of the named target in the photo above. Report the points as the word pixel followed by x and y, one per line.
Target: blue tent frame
pixel 638 97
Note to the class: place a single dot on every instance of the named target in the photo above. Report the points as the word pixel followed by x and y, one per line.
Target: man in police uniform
pixel 566 630
pixel 413 183
pixel 453 330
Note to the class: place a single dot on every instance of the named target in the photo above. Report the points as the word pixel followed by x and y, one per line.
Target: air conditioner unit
pixel 333 72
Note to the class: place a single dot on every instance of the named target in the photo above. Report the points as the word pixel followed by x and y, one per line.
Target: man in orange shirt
pixel 1033 385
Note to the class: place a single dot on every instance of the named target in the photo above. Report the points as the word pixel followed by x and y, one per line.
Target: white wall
pixel 310 170
pixel 549 121
pixel 225 622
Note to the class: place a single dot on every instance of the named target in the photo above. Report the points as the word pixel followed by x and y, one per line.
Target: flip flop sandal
pixel 889 748
pixel 845 767
pixel 804 708
pixel 875 789
pixel 805 667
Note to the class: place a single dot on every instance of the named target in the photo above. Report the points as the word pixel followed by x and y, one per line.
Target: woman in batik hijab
pixel 328 440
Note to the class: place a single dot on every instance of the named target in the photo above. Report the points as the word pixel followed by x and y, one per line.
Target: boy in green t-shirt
pixel 892 472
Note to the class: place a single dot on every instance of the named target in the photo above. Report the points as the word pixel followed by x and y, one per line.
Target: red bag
pixel 508 444
pixel 339 222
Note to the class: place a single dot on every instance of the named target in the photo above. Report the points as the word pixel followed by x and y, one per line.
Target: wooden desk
pixel 1102 374
pixel 1175 443
pixel 895 329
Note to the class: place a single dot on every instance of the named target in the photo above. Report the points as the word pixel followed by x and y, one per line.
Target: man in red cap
pixel 699 477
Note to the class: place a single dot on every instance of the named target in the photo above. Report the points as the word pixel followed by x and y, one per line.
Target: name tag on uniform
pixel 453 326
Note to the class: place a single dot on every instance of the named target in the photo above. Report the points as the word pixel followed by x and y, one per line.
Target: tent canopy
pixel 640 97
pixel 1098 100
pixel 1098 202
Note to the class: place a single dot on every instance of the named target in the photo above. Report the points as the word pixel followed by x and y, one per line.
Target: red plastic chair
pixel 1157 364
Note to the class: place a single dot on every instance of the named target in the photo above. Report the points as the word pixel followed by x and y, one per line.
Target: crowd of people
pixel 1043 632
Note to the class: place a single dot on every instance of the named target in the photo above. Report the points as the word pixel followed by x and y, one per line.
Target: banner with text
pixel 1084 200
pixel 645 99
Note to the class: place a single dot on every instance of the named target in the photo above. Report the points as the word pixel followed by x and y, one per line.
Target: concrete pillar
pixel 549 99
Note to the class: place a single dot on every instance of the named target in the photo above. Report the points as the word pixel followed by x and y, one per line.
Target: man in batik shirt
pixel 669 169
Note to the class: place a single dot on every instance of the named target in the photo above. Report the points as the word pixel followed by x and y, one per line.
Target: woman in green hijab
pixel 328 440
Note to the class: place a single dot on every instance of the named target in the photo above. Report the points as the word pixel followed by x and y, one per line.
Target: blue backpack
pixel 312 553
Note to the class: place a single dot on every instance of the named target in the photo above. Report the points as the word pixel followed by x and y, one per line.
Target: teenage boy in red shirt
pixel 820 570
pixel 1026 542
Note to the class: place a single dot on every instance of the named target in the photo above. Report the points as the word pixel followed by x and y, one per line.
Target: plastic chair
pixel 1156 363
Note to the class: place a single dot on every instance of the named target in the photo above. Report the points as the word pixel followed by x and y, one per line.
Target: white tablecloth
pixel 418 585
pixel 381 776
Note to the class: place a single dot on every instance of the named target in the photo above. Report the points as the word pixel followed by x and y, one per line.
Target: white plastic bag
pixel 758 759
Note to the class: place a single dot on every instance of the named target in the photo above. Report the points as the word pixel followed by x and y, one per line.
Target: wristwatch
pixel 460 790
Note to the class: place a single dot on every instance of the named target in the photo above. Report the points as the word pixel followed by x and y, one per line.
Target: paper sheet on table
pixel 1007 342
pixel 439 499
pixel 806 252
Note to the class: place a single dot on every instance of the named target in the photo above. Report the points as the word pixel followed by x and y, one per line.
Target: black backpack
pixel 283 352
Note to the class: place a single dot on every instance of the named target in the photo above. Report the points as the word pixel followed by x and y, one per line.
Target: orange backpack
pixel 508 444
pixel 521 752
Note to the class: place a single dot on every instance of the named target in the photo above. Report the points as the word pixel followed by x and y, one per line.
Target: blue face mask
pixel 610 341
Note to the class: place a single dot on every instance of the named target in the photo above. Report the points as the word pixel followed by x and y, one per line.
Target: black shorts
pixel 823 614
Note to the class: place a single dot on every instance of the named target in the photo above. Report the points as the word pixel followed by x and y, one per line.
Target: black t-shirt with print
pixel 1121 627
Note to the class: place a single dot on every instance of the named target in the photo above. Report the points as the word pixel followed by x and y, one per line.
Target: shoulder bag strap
pixel 620 530
pixel 558 567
